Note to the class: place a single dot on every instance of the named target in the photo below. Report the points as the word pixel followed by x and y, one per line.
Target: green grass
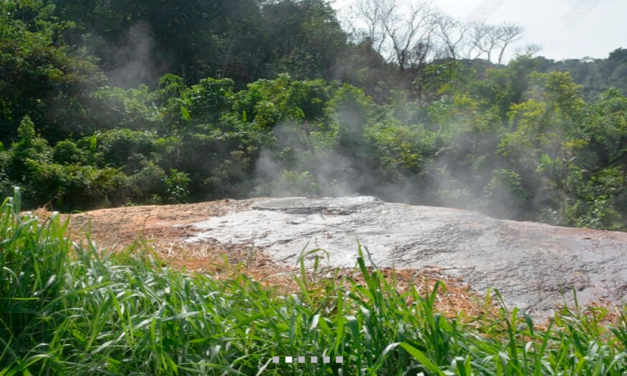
pixel 68 309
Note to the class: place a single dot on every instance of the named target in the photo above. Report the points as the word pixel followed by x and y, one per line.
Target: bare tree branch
pixel 453 34
pixel 507 34
pixel 528 50
pixel 410 35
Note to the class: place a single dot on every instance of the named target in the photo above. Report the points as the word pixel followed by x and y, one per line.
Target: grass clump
pixel 71 309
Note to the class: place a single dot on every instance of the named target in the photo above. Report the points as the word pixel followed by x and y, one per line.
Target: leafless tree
pixel 508 34
pixel 491 40
pixel 453 34
pixel 374 14
pixel 403 34
pixel 477 33
pixel 410 35
pixel 529 50
pixel 412 42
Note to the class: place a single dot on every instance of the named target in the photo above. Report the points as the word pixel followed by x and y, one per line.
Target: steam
pixel 463 175
pixel 134 61
pixel 296 166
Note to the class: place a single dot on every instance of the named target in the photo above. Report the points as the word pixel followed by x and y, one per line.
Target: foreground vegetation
pixel 73 309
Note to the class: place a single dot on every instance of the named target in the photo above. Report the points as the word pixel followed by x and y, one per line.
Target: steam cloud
pixel 134 61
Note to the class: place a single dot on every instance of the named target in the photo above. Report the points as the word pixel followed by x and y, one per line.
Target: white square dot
pixel 288 359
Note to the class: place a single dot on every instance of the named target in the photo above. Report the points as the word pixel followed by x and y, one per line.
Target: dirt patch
pixel 123 226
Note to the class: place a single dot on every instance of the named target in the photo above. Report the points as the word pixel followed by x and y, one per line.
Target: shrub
pixel 66 152
pixel 177 187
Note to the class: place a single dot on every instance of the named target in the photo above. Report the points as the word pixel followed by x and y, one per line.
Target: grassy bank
pixel 73 309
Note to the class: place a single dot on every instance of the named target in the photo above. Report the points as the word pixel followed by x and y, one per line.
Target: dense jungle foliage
pixel 106 103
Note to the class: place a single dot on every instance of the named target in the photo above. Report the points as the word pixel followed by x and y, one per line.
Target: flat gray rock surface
pixel 534 266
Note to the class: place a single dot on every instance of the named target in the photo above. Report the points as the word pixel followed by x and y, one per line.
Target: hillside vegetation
pixel 108 103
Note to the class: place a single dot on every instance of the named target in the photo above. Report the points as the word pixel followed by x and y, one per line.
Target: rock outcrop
pixel 534 266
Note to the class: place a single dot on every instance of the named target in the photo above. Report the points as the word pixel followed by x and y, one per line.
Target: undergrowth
pixel 72 309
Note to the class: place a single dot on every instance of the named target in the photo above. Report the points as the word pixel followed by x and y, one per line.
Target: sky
pixel 566 29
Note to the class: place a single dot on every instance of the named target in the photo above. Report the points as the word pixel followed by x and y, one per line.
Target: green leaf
pixel 185 113
pixel 422 358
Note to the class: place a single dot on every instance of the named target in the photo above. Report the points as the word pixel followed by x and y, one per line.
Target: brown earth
pixel 123 226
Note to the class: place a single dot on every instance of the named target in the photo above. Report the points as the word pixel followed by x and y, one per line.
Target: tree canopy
pixel 107 103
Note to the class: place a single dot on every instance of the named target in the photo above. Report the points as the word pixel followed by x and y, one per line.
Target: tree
pixel 490 38
pixel 40 77
pixel 454 35
pixel 304 38
pixel 373 13
pixel 528 51
pixel 620 55
pixel 507 34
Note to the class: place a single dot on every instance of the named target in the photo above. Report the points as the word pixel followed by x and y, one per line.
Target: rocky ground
pixel 534 266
